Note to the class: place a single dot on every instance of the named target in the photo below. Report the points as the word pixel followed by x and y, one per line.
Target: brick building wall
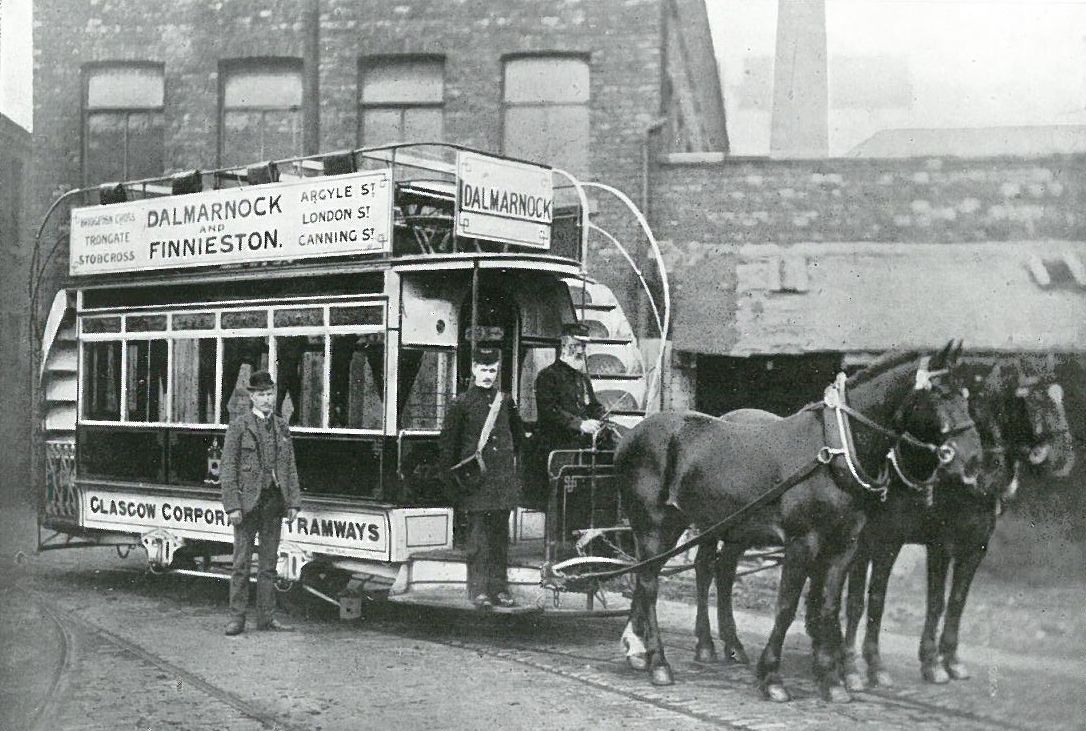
pixel 622 41
pixel 707 208
pixel 14 376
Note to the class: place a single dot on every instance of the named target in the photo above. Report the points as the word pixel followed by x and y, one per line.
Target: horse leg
pixel 882 564
pixel 793 576
pixel 658 667
pixel 704 651
pixel 829 649
pixel 632 643
pixel 965 568
pixel 854 612
pixel 727 561
pixel 931 664
pixel 814 606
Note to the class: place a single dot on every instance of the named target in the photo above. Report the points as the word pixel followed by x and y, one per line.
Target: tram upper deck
pixel 360 280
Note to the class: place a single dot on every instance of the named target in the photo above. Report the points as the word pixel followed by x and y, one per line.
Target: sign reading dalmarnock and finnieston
pixel 503 200
pixel 329 216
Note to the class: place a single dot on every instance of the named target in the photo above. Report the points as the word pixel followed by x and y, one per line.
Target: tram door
pixel 496 327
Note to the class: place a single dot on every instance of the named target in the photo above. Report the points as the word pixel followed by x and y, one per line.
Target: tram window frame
pixel 203 326
pixel 526 404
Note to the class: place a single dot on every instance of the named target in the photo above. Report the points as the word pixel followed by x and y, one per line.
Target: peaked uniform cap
pixel 576 330
pixel 486 356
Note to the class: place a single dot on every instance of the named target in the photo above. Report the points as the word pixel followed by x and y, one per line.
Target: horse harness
pixel 835 412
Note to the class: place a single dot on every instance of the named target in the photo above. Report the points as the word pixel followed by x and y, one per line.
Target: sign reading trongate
pixel 328 216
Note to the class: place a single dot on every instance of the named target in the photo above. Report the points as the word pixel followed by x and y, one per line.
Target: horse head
pixel 935 437
pixel 1036 423
pixel 936 413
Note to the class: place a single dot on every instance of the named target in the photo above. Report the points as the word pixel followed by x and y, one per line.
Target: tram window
pixel 240 357
pixel 427 384
pixel 308 317
pixel 194 381
pixel 245 320
pixel 371 315
pixel 356 383
pixel 145 386
pixel 145 323
pixel 300 374
pixel 102 381
pixel 194 321
pixel 101 325
pixel 533 359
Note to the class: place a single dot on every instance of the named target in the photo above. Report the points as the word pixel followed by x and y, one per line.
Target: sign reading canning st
pixel 502 200
pixel 330 216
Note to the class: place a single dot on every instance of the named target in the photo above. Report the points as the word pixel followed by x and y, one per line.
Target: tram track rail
pixel 579 670
pixel 69 625
pixel 602 671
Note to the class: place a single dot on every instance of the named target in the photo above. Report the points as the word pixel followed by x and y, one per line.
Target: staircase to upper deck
pixel 59 373
pixel 615 363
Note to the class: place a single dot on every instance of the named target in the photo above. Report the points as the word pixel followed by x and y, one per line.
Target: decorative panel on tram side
pixel 156 399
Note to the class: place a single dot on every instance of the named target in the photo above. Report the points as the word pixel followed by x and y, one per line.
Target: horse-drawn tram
pixel 362 281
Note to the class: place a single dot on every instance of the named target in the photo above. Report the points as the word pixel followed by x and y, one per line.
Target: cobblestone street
pixel 117 647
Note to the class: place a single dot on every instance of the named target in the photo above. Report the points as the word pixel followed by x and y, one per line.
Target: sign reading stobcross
pixel 336 215
pixel 503 200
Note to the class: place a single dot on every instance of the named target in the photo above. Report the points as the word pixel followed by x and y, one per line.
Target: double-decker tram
pixel 361 280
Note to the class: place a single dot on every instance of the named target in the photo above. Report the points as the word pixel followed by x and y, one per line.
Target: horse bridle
pixel 945 452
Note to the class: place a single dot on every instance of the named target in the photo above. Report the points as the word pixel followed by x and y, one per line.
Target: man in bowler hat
pixel 259 489
pixel 479 442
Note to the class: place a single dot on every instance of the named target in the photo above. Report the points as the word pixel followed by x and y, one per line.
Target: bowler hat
pixel 576 330
pixel 486 356
pixel 261 381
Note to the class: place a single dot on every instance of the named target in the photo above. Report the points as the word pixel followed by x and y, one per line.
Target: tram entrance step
pixel 525 554
pixel 456 598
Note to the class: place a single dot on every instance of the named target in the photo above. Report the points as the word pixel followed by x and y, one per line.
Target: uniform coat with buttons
pixel 498 488
pixel 245 470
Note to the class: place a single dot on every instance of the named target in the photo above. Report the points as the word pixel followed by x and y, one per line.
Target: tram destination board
pixel 337 215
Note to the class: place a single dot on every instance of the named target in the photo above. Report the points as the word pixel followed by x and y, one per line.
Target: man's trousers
pixel 266 519
pixel 487 552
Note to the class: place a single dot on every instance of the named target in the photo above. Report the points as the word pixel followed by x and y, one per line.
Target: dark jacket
pixel 243 464
pixel 564 398
pixel 498 488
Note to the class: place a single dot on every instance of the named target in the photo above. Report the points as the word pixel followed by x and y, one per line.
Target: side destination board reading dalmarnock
pixel 503 200
pixel 336 215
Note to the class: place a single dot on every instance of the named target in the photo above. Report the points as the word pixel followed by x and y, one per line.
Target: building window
pixel 261 110
pixel 401 99
pixel 546 114
pixel 124 127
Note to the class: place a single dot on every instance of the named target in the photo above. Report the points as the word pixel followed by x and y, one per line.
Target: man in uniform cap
pixel 568 412
pixel 259 488
pixel 479 440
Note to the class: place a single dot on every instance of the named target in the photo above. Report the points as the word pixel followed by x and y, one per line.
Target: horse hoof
pixel 637 662
pixel 854 682
pixel 706 655
pixel 957 670
pixel 661 675
pixel 935 674
pixel 836 694
pixel 776 692
pixel 737 655
pixel 882 679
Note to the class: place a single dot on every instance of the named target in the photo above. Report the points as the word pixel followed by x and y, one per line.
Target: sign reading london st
pixel 503 200
pixel 329 216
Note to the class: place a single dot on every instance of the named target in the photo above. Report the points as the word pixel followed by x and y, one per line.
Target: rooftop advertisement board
pixel 338 215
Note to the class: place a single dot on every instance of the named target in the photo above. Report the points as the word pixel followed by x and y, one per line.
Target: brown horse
pixel 1020 417
pixel 681 469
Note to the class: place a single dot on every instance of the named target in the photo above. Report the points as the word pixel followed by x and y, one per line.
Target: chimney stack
pixel 800 126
